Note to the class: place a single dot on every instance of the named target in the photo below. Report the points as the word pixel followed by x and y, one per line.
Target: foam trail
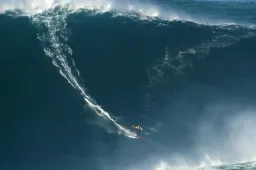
pixel 54 20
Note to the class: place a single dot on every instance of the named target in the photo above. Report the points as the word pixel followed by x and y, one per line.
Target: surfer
pixel 138 130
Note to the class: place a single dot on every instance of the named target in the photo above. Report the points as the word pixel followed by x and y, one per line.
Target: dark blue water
pixel 167 76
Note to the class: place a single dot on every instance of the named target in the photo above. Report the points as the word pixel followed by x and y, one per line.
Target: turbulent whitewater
pixel 146 62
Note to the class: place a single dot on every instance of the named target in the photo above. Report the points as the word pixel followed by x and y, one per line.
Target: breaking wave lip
pixel 141 10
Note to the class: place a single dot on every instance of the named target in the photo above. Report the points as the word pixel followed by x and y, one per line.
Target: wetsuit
pixel 138 132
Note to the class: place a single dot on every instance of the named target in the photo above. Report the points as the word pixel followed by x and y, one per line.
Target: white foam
pixel 207 163
pixel 27 6
pixel 236 1
pixel 144 10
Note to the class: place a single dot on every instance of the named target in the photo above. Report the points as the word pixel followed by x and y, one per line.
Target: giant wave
pixel 170 44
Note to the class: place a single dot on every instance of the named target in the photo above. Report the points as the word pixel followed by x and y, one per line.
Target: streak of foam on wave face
pixel 61 53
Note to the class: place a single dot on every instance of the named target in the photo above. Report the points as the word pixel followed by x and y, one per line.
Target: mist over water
pixel 183 70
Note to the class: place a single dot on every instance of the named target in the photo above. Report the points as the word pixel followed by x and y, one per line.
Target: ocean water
pixel 77 75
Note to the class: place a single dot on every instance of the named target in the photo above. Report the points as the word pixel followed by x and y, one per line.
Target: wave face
pixel 183 70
